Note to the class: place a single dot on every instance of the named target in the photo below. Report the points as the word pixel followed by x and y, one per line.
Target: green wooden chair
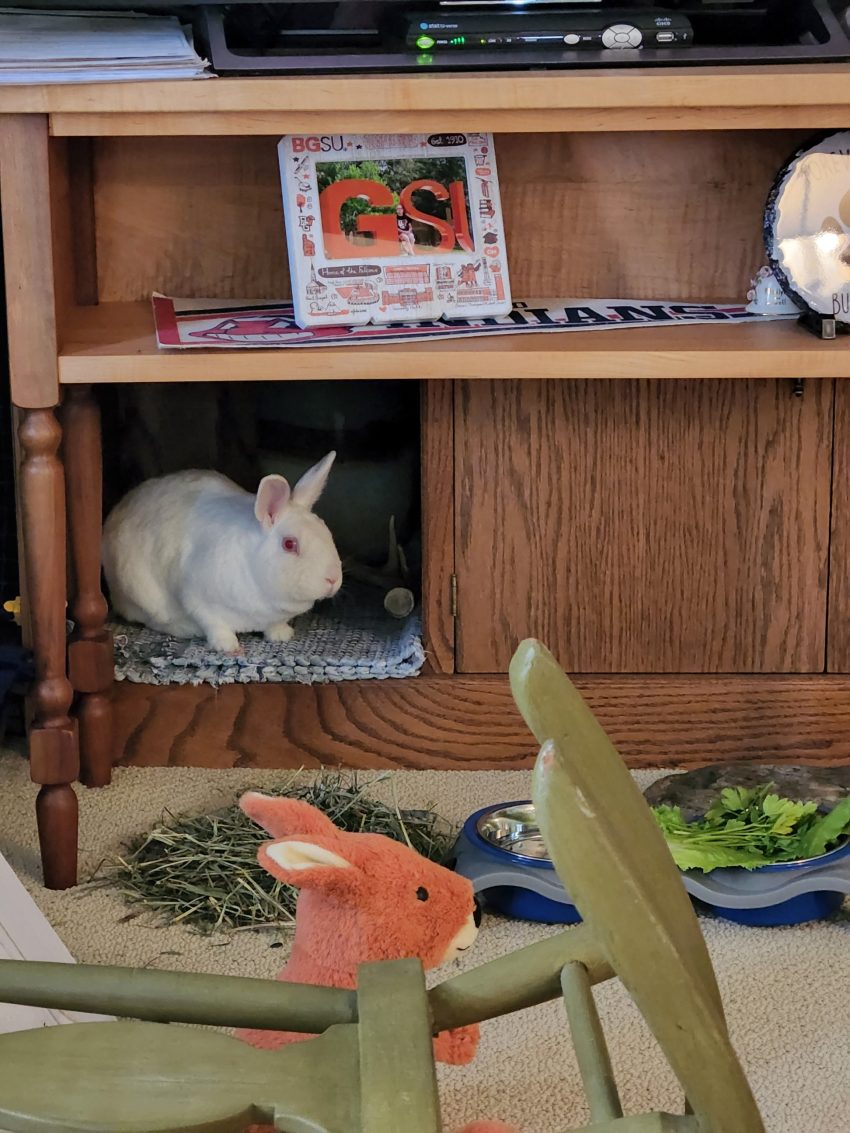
pixel 371 1069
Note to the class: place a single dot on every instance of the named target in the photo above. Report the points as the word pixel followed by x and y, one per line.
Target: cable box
pixel 454 30
pixel 380 36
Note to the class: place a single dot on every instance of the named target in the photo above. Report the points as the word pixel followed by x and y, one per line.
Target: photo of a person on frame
pixel 406 236
pixel 405 228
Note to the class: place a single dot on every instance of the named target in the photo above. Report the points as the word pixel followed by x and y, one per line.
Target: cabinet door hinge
pixel 454 595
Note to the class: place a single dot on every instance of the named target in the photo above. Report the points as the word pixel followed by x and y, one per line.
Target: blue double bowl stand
pixel 529 889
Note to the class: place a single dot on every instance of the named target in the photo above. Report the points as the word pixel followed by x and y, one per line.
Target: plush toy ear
pixel 272 497
pixel 282 817
pixel 312 864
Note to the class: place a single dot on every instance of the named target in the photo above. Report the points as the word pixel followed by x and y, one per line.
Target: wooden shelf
pixel 708 98
pixel 115 343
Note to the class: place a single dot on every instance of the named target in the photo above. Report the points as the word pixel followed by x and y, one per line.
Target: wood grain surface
pixel 838 630
pixel 643 527
pixel 189 216
pixel 53 751
pixel 438 550
pixel 612 214
pixel 114 343
pixel 818 87
pixel 80 161
pixel 624 214
pixel 90 655
pixel 53 758
pixel 274 123
pixel 25 187
pixel 63 231
pixel 470 723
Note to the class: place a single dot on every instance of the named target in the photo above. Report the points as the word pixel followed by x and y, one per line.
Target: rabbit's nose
pixel 333 583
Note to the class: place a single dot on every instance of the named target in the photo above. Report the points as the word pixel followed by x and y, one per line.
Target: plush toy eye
pixel 421 893
pixel 290 545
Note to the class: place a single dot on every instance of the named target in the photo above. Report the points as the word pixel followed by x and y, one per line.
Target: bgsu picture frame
pixel 393 228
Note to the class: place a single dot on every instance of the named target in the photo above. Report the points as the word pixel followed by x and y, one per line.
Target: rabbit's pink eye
pixel 290 544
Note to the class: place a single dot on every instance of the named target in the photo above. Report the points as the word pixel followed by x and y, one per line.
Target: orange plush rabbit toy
pixel 488 1127
pixel 363 897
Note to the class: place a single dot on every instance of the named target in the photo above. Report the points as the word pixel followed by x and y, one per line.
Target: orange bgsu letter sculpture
pixel 382 226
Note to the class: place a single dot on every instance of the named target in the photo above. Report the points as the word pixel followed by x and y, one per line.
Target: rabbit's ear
pixel 282 817
pixel 312 483
pixel 272 497
pixel 312 863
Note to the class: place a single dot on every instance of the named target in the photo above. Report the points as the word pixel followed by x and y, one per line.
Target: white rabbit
pixel 192 554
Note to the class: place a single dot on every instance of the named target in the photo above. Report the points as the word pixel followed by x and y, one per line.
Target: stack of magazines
pixel 87 47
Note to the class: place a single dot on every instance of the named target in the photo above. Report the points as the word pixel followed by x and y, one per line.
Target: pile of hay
pixel 202 871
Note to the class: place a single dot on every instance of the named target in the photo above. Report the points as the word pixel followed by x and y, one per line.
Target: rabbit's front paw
pixel 224 641
pixel 280 631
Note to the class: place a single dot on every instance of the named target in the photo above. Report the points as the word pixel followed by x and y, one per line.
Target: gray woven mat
pixel 350 639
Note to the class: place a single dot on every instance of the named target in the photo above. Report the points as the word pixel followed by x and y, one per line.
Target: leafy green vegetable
pixel 828 830
pixel 752 827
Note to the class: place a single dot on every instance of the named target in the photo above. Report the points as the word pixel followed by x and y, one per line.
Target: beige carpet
pixel 787 991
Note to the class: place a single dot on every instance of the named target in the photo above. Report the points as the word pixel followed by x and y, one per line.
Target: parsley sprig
pixel 752 827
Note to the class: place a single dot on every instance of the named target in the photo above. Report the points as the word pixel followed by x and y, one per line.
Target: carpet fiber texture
pixel 787 991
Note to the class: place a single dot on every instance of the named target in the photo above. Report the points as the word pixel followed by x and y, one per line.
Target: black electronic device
pixel 598 29
pixel 375 35
pixel 357 36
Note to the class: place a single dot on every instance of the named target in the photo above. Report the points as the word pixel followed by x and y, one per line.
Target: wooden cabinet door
pixel 640 526
pixel 838 632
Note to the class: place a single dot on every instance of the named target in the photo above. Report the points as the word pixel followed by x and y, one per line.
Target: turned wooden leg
pixel 90 663
pixel 54 758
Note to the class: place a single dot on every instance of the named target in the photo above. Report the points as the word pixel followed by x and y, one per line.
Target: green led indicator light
pixel 458 39
pixel 424 42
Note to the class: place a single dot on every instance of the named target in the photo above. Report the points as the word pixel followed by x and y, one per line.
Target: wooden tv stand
pixel 656 504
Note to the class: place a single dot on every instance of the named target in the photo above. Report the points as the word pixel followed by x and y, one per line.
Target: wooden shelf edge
pixel 788 85
pixel 518 120
pixel 470 723
pixel 114 343
pixel 319 365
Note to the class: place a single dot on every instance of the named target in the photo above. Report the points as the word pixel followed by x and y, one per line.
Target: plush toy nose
pixel 463 940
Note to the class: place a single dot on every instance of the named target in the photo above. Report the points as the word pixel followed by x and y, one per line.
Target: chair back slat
pixel 612 857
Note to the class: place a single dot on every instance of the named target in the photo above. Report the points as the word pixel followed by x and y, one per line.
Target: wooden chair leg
pixel 54 756
pixel 90 661
pixel 591 1050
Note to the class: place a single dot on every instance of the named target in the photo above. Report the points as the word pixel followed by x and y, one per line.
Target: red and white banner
pixel 187 323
